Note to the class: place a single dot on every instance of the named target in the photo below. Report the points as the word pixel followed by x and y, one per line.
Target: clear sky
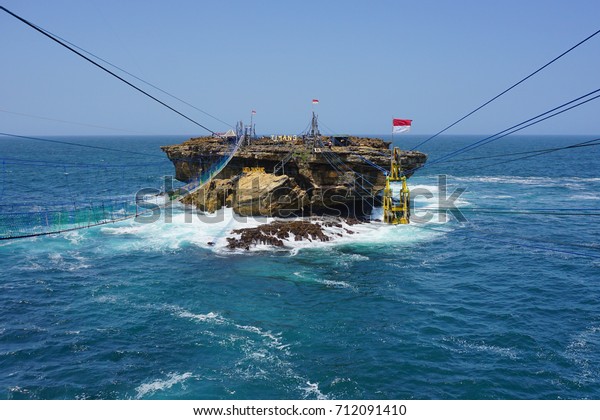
pixel 366 61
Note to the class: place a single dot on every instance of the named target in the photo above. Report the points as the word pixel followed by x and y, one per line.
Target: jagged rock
pixel 274 233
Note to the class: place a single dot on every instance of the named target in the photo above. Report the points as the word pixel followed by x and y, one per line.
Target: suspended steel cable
pixel 497 137
pixel 136 77
pixel 89 146
pixel 100 66
pixel 508 89
pixel 75 215
pixel 367 161
pixel 524 124
pixel 29 162
pixel 517 127
pixel 340 171
pixel 71 122
pixel 470 235
pixel 539 212
pixel 548 150
pixel 594 247
pixel 16 161
pixel 530 154
pixel 3 180
pixel 537 154
pixel 341 164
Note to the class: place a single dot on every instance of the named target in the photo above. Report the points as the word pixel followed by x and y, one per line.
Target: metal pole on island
pixel 314 128
pixel 252 131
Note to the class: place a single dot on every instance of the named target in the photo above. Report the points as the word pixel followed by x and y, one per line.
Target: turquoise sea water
pixel 498 306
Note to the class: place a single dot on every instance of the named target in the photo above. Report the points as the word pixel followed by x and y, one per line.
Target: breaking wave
pixel 172 379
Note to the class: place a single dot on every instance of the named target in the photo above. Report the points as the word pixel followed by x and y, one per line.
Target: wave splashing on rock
pixel 276 233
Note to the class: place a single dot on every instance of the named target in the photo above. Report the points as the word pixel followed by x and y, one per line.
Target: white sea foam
pixel 209 317
pixel 337 284
pixel 340 381
pixel 30 265
pixel 588 196
pixel 18 389
pixel 207 231
pixel 180 312
pixel 467 346
pixel 373 232
pixel 122 230
pixel 274 340
pixel 534 180
pixel 497 197
pixel 329 283
pixel 107 299
pixel 312 391
pixel 210 231
pixel 161 384
pixel 582 350
pixel 71 261
pixel 585 340
pixel 531 180
pixel 419 188
pixel 74 237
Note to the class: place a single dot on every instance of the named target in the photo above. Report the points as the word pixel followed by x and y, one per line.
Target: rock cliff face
pixel 291 177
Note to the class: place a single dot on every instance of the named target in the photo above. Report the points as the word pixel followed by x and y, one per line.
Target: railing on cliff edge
pixel 280 166
pixel 37 220
pixel 204 177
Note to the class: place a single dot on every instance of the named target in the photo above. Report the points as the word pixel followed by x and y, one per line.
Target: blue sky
pixel 432 61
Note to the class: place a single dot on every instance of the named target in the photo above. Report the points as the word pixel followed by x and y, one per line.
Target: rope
pixel 373 164
pixel 59 164
pixel 3 180
pixel 75 215
pixel 340 172
pixel 549 150
pixel 507 242
pixel 72 122
pixel 53 38
pixel 341 164
pixel 517 127
pixel 541 153
pixel 89 146
pixel 508 89
pixel 541 212
pixel 135 77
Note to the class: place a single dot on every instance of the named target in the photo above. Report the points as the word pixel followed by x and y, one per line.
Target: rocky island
pixel 290 176
pixel 331 182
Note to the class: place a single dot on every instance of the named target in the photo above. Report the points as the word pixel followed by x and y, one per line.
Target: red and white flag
pixel 400 126
pixel 315 101
pixel 253 112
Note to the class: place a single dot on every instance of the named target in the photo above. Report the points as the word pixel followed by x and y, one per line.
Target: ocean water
pixel 502 304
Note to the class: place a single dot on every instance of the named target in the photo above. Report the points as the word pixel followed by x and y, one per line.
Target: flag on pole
pixel 253 112
pixel 315 101
pixel 400 126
